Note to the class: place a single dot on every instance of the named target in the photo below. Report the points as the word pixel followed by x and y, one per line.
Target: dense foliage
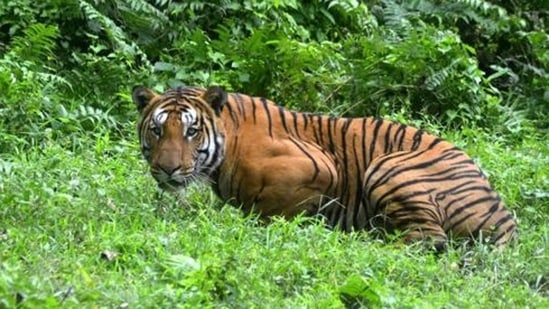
pixel 474 71
pixel 68 65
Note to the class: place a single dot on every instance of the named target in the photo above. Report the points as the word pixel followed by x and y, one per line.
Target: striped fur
pixel 358 173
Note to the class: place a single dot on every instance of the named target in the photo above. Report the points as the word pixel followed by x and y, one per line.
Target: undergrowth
pixel 87 227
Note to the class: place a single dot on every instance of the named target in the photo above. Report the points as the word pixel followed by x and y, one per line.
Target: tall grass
pixel 87 227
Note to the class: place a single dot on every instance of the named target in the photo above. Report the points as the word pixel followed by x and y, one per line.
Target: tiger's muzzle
pixel 173 179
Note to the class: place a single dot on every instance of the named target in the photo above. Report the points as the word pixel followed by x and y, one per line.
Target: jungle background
pixel 82 223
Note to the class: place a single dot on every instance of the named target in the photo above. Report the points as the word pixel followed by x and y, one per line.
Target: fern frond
pixel 52 80
pixel 144 13
pixel 37 44
pixel 115 33
pixel 489 16
pixel 436 79
pixel 485 7
pixel 395 14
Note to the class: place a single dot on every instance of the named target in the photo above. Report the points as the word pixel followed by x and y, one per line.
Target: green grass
pixel 86 227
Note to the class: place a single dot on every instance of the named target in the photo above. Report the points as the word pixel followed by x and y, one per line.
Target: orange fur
pixel 359 173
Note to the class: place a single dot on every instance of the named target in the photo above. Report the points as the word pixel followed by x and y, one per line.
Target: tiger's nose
pixel 169 169
pixel 168 160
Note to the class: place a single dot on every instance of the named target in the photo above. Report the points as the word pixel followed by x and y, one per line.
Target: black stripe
pixel 452 175
pixel 393 170
pixel 460 221
pixel 452 149
pixel 330 135
pixel 401 198
pixel 435 142
pixel 217 154
pixel 454 190
pixel 426 163
pixel 509 230
pixel 466 163
pixel 487 215
pixel 417 139
pixel 375 134
pixel 424 222
pixel 416 181
pixel 256 198
pixel 388 144
pixel 241 108
pixel 207 140
pixel 399 137
pixel 491 210
pixel 269 119
pixel 365 161
pixel 359 173
pixel 296 128
pixel 450 156
pixel 467 193
pixel 283 118
pixel 503 220
pixel 235 145
pixel 479 201
pixel 297 143
pixel 345 174
pixel 372 172
pixel 319 120
pixel 336 215
pixel 233 115
pixel 233 173
pixel 401 185
pixel 345 184
pixel 253 109
pixel 316 135
pixel 327 165
pixel 442 178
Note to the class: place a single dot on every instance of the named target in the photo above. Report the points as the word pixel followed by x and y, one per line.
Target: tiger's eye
pixel 156 130
pixel 191 132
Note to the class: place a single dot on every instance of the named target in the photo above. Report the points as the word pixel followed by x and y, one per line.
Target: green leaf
pixel 358 291
pixel 163 67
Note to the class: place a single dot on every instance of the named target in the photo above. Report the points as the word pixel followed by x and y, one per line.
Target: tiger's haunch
pixel 359 173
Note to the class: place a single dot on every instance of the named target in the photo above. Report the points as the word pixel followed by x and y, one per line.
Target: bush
pixel 423 70
pixel 69 65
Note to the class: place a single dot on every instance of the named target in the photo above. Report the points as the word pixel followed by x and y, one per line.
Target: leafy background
pixel 73 186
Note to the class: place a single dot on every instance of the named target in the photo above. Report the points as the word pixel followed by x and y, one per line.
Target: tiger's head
pixel 181 133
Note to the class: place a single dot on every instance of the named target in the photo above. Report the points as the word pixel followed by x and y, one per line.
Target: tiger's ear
pixel 216 97
pixel 142 96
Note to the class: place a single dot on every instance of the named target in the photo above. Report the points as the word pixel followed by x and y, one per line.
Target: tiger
pixel 358 174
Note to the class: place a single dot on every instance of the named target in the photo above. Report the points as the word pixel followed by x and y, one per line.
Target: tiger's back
pixel 359 173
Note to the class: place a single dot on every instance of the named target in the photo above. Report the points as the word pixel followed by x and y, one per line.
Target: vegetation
pixel 82 223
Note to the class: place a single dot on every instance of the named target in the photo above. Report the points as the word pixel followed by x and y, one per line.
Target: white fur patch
pixel 188 118
pixel 160 116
